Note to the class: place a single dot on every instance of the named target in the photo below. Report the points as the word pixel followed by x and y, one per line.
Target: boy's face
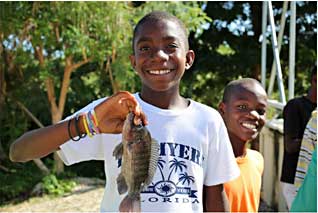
pixel 244 112
pixel 160 55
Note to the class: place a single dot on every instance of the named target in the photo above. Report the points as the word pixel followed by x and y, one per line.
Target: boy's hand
pixel 111 113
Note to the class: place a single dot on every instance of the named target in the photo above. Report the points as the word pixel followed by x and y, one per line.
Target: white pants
pixel 289 191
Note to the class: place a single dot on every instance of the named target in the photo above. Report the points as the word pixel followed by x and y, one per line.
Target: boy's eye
pixel 143 48
pixel 172 45
pixel 242 107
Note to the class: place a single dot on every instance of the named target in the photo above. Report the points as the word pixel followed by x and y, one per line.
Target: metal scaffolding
pixel 276 45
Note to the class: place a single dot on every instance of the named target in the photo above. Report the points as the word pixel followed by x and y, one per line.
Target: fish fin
pixel 118 151
pixel 131 203
pixel 121 184
pixel 153 163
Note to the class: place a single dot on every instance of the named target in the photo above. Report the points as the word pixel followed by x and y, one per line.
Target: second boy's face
pixel 244 113
pixel 160 56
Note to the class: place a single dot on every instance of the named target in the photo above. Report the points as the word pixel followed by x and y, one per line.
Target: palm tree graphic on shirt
pixel 166 187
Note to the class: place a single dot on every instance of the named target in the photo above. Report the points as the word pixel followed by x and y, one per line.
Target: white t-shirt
pixel 194 151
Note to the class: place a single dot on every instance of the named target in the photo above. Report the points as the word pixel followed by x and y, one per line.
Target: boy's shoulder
pixel 255 155
pixel 203 107
pixel 206 113
pixel 297 101
pixel 257 159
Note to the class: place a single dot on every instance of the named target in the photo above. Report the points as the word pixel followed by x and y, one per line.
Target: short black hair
pixel 159 16
pixel 231 87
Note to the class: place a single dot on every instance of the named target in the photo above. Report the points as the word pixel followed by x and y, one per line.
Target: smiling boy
pixel 195 151
pixel 243 109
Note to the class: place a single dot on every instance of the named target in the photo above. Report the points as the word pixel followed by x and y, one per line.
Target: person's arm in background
pixel 292 128
pixel 214 199
pixel 111 115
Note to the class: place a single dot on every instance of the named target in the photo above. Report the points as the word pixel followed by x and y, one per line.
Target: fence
pixel 272 147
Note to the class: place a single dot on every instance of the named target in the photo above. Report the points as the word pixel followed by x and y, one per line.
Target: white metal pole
pixel 292 45
pixel 280 38
pixel 276 54
pixel 264 47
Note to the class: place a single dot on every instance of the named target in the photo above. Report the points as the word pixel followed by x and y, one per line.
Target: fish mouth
pixel 159 72
pixel 130 118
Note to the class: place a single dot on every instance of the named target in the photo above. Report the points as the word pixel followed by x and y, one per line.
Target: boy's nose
pixel 254 114
pixel 159 54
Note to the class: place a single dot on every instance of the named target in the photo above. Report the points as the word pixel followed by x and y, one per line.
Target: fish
pixel 139 154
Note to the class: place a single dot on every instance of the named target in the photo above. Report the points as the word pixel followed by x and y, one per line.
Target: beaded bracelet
pixel 93 123
pixel 69 130
pixel 86 126
pixel 95 118
pixel 77 128
pixel 90 123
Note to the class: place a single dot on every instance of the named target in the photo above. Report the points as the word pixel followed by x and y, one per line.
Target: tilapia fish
pixel 139 155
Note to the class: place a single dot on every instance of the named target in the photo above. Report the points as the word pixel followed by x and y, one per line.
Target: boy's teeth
pixel 159 72
pixel 249 126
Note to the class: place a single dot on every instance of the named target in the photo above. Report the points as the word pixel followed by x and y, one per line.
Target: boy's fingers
pixel 141 119
pixel 127 96
pixel 133 106
pixel 130 104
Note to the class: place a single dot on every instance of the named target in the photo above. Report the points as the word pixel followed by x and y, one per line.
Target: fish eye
pixel 139 126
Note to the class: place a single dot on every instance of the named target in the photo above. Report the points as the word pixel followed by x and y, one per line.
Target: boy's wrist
pixel 80 125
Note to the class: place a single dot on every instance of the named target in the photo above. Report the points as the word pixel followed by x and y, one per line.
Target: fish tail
pixel 131 203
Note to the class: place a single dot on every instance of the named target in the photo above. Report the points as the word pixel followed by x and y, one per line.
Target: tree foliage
pixel 70 53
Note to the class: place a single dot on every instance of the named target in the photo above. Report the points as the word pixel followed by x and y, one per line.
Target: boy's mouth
pixel 250 126
pixel 158 72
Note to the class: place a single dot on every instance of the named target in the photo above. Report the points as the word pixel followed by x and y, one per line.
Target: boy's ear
pixel 132 61
pixel 189 59
pixel 221 108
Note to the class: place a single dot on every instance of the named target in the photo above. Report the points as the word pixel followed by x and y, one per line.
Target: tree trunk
pixel 42 166
pixel 57 110
pixel 108 69
pixel 55 115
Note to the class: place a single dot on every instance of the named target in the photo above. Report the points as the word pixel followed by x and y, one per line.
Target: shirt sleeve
pixel 221 163
pixel 84 150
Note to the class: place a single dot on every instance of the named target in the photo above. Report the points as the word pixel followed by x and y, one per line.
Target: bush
pixel 17 183
pixel 57 187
